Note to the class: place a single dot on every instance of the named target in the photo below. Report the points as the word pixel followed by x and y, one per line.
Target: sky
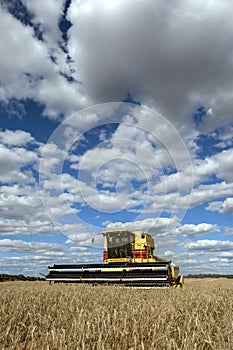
pixel 116 114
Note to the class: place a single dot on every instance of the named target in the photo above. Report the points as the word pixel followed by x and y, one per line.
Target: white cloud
pixel 190 230
pixel 132 156
pixel 199 172
pixel 136 152
pixel 26 71
pixel 226 255
pixel 224 207
pixel 205 193
pixel 28 226
pixel 228 231
pixel 140 49
pixel 51 157
pixel 12 162
pixel 19 246
pixel 16 60
pixel 15 137
pixel 108 163
pixel 158 52
pixel 82 236
pixel 12 206
pixel 47 14
pixel 209 245
pixel 225 136
pixel 225 165
pixel 23 211
pixel 22 208
pixel 175 199
pixel 9 160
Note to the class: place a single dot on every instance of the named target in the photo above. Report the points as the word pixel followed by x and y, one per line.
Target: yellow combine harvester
pixel 127 260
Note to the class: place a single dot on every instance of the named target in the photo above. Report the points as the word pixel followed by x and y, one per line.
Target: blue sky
pixel 111 116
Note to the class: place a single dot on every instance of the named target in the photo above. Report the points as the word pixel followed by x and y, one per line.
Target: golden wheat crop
pixel 39 316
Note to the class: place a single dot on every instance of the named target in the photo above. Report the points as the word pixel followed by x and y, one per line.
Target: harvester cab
pixel 127 246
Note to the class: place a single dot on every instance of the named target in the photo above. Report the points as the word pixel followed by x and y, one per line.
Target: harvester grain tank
pixel 127 260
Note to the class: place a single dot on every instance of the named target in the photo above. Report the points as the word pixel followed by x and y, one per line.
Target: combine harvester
pixel 128 260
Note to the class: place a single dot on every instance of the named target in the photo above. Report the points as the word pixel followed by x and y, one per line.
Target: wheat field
pixel 36 315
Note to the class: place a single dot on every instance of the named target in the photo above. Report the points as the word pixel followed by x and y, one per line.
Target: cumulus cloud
pixel 133 154
pixel 190 230
pixel 207 192
pixel 8 245
pixel 225 136
pixel 27 71
pixel 14 160
pixel 47 14
pixel 209 245
pixel 12 206
pixel 152 48
pixel 201 171
pixel 136 152
pixel 16 137
pixel 23 213
pixel 226 255
pixel 141 49
pixel 224 161
pixel 17 227
pixel 224 207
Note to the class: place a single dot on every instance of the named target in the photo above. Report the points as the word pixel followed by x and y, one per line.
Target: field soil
pixel 39 316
